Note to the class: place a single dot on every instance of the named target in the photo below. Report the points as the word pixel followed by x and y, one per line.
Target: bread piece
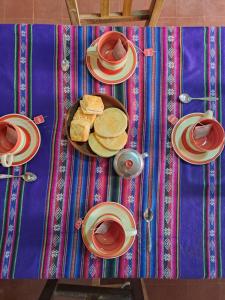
pixel 112 123
pixel 98 148
pixel 79 130
pixel 79 115
pixel 92 104
pixel 115 143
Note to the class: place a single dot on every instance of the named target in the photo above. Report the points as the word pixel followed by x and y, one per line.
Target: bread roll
pixel 79 130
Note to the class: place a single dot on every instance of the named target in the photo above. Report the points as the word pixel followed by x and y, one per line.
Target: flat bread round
pixel 115 143
pixel 112 123
pixel 97 148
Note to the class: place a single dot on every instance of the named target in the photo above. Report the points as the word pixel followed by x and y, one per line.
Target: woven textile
pixel 37 235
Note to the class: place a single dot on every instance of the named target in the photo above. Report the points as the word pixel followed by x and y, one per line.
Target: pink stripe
pixel 216 171
pixel 162 154
pixel 56 160
pixel 77 212
pixel 84 67
pixel 208 166
pixel 103 179
pixel 90 201
pixel 66 201
pixel 19 59
pixel 87 259
pixel 124 198
pixel 207 221
pixel 73 72
pixel 215 222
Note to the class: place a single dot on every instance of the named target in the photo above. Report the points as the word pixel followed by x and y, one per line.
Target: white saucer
pixel 123 75
pixel 32 132
pixel 99 210
pixel 182 151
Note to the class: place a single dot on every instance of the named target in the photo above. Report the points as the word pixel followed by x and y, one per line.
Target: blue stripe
pixel 156 148
pixel 145 193
pixel 80 73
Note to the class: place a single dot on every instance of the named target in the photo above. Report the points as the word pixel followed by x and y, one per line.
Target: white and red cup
pixel 103 50
pixel 213 139
pixel 13 140
pixel 209 142
pixel 109 235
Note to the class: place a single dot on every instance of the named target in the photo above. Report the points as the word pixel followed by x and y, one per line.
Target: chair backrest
pixel 151 15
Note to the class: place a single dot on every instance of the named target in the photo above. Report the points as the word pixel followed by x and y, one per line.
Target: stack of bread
pixel 109 135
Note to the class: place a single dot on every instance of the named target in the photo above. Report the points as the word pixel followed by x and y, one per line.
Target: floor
pixel 175 12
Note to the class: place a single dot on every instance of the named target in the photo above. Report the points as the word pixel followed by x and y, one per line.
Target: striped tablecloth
pixel 37 235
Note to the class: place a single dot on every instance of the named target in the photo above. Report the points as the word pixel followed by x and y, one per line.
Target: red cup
pixel 12 141
pixel 112 237
pixel 213 140
pixel 103 50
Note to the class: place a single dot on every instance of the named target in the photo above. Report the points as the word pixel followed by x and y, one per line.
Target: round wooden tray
pixel 108 101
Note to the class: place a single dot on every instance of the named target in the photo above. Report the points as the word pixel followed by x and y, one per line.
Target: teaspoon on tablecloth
pixel 185 98
pixel 28 177
pixel 148 216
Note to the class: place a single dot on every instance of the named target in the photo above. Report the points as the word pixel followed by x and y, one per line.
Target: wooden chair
pixel 107 289
pixel 151 15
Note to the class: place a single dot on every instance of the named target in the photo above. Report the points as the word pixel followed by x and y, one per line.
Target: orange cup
pixel 109 235
pixel 12 141
pixel 213 140
pixel 103 49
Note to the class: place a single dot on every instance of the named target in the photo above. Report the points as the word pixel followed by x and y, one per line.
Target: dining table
pixel 38 236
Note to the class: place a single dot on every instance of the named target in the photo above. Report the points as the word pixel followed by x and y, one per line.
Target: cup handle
pixel 172 119
pixel 7 160
pixel 208 114
pixel 131 232
pixel 78 224
pixel 92 51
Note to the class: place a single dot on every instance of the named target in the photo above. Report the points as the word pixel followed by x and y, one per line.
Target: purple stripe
pixel 35 194
pixel 191 188
pixel 6 94
pixel 223 153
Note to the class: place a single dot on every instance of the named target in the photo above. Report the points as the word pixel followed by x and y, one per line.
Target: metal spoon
pixel 65 63
pixel 28 177
pixel 148 216
pixel 185 98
